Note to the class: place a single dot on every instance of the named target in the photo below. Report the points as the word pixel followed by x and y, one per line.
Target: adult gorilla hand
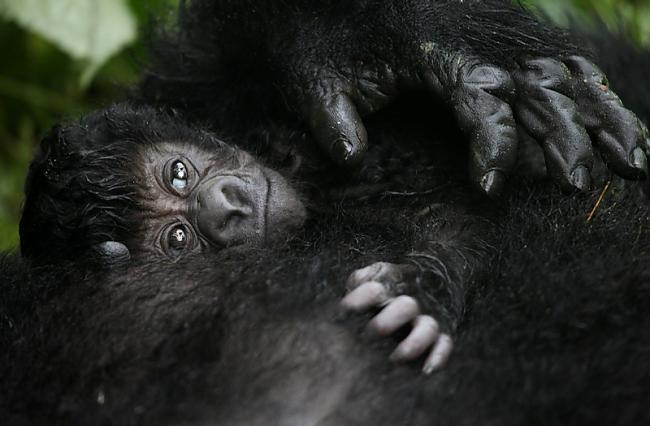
pixel 558 98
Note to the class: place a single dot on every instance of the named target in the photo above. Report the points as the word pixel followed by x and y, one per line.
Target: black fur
pixel 554 332
pixel 236 64
pixel 82 185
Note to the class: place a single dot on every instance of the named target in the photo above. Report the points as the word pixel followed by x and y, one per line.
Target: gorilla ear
pixel 112 256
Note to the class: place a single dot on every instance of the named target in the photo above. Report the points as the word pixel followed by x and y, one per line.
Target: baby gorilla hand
pixel 379 286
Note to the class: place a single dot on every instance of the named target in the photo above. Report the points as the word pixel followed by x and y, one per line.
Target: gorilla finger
pixel 338 128
pixel 545 108
pixel 615 129
pixel 394 276
pixel 397 313
pixel 423 336
pixel 360 276
pixel 486 117
pixel 365 296
pixel 439 354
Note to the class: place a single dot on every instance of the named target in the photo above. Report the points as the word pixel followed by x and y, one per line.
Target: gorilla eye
pixel 177 238
pixel 179 175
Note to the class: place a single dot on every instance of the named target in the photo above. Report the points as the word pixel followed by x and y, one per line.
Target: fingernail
pixel 431 366
pixel 342 149
pixel 580 178
pixel 397 355
pixel 639 161
pixel 492 182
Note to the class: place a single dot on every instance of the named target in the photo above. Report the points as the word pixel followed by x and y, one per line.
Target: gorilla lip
pixel 265 213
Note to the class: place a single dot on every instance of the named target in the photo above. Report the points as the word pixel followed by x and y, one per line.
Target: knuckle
pixel 583 67
pixel 547 73
pixel 547 67
pixel 359 276
pixel 352 282
pixel 381 267
pixel 492 79
pixel 369 272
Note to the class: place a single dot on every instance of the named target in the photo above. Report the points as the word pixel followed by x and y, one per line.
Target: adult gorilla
pixel 555 330
pixel 323 64
pixel 125 176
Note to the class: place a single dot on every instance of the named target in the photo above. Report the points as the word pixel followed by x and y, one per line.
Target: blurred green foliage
pixel 633 16
pixel 42 82
pixel 47 76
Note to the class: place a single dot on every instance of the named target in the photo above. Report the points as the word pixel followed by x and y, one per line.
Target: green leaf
pixel 88 30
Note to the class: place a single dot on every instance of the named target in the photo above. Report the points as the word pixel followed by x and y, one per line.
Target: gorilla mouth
pixel 264 215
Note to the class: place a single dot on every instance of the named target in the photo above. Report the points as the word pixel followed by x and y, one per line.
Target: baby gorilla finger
pixel 439 355
pixel 363 275
pixel 399 312
pixel 338 128
pixel 424 334
pixel 480 104
pixel 365 296
pixel 615 129
pixel 392 275
pixel 545 108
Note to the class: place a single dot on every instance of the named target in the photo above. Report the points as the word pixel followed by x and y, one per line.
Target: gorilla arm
pixel 500 70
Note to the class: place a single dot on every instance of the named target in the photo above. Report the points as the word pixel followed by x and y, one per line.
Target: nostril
pixel 230 195
pixel 237 203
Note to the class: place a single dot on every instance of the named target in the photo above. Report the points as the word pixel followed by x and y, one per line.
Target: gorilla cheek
pixel 284 209
pixel 231 210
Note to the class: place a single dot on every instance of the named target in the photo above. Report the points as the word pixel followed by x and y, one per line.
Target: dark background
pixel 63 57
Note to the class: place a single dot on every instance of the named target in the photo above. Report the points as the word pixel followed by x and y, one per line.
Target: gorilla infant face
pixel 194 198
pixel 144 178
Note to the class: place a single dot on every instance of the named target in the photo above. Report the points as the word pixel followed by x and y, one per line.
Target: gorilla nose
pixel 226 213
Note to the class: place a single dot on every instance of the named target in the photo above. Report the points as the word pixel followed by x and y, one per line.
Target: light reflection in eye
pixel 177 238
pixel 179 175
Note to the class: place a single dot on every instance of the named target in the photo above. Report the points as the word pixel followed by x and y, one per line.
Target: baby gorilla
pixel 139 181
pixel 219 196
